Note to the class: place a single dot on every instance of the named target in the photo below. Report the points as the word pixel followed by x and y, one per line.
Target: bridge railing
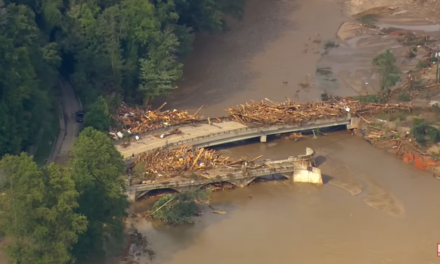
pixel 251 173
pixel 238 132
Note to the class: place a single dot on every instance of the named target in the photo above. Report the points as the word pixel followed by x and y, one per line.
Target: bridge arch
pixel 218 184
pixel 156 192
pixel 272 177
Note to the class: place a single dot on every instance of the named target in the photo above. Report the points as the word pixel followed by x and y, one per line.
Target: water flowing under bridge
pixel 297 168
pixel 206 135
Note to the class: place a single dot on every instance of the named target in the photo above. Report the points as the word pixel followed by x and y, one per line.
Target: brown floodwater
pixel 373 208
pixel 265 55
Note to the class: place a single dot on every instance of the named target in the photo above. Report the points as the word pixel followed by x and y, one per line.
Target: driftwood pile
pixel 267 112
pixel 295 136
pixel 141 120
pixel 178 162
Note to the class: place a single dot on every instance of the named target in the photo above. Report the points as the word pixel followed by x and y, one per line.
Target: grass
pixel 385 65
pixel 368 20
pixel 326 71
pixel 404 97
pixel 423 64
pixel 330 44
pixel 370 99
pixel 46 141
pixel 389 30
pixel 399 116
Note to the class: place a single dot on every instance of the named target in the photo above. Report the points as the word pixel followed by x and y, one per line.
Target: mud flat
pixel 346 67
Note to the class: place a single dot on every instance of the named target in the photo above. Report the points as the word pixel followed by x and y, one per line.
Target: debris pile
pixel 412 39
pixel 138 120
pixel 170 163
pixel 295 136
pixel 267 112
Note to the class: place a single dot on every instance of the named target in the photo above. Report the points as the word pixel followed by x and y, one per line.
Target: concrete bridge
pixel 204 135
pixel 296 168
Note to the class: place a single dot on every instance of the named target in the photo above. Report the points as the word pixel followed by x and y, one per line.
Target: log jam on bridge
pixel 265 112
pixel 249 120
pixel 192 168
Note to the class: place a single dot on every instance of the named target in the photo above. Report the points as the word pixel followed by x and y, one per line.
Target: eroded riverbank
pixel 372 209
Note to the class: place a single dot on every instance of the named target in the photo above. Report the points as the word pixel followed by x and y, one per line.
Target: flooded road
pixel 372 209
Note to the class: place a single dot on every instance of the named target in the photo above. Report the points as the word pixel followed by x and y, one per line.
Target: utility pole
pixel 437 62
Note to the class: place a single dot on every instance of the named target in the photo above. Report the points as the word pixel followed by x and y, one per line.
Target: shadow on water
pixel 319 160
pixel 326 178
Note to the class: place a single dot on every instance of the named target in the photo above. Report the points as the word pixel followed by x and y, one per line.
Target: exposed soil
pixel 422 9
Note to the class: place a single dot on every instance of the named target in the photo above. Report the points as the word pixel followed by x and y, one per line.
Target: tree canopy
pixel 38 211
pixel 128 48
pixel 384 64
pixel 108 50
pixel 98 115
pixel 97 169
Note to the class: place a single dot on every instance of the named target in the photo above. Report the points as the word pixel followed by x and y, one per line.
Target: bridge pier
pixel 307 174
pixel 263 139
pixel 354 123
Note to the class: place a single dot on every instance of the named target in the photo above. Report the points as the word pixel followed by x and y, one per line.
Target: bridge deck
pixel 149 142
pixel 236 176
pixel 204 135
pixel 217 175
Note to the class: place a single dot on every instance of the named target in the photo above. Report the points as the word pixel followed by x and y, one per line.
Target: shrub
pixel 179 208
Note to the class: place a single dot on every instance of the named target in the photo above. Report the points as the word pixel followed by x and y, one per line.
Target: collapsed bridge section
pixel 296 168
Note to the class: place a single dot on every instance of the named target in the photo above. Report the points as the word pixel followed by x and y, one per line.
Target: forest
pixel 109 51
pixel 115 50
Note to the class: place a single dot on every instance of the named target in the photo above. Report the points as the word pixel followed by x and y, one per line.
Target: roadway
pixel 66 139
pixel 204 135
pixel 149 142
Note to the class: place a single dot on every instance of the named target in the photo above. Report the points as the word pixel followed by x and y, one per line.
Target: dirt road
pixel 70 105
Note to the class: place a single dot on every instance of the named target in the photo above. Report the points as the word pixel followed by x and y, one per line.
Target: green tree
pixel 98 116
pixel 97 169
pixel 129 48
pixel 38 211
pixel 179 208
pixel 27 77
pixel 384 64
pixel 161 70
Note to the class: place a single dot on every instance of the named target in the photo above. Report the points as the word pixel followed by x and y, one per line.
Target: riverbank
pixel 412 137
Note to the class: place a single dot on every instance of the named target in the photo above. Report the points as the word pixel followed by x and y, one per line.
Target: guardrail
pixel 227 176
pixel 252 132
pixel 205 121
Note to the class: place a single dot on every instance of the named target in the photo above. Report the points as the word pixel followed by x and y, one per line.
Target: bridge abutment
pixel 131 194
pixel 307 174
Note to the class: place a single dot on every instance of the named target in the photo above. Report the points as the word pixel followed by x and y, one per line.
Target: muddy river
pixel 261 56
pixel 372 209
